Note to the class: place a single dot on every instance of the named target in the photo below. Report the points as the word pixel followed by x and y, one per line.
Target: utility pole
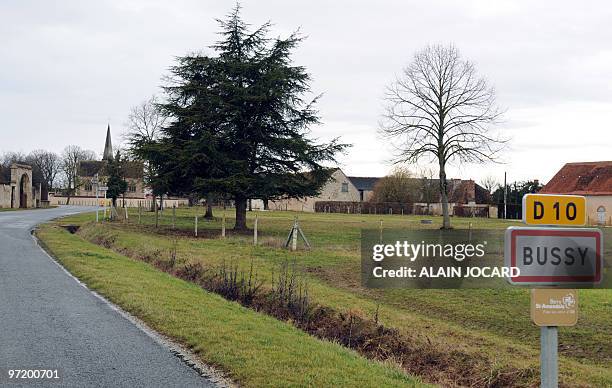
pixel 505 197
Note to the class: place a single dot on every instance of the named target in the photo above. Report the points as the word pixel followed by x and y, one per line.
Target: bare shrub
pixel 191 272
pixel 289 293
pixel 233 284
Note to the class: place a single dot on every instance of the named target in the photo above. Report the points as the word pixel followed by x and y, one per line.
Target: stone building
pixel 466 198
pixel 365 186
pixel 16 189
pixel 593 180
pixel 337 188
pixel 133 173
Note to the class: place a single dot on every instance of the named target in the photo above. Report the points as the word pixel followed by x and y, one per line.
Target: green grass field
pixel 253 349
pixel 492 326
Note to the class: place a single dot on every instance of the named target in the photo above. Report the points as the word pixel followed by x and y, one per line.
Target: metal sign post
pixel 551 308
pixel 549 357
pixel 95 183
pixel 553 255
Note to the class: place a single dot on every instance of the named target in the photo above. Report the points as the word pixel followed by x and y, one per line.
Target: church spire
pixel 108 146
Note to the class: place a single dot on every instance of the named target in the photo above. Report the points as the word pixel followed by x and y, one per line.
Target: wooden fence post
pixel 174 216
pixel 196 226
pixel 255 231
pixel 294 236
pixel 223 225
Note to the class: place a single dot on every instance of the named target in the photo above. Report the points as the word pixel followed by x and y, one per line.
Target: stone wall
pixel 5 196
pixel 363 207
pixel 129 202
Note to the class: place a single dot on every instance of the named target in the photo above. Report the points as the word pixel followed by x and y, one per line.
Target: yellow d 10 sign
pixel 552 209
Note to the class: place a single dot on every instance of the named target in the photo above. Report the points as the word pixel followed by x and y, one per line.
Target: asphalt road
pixel 49 321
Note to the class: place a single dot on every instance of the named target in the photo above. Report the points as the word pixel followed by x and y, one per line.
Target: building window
pixel 345 187
pixel 88 186
pixel 132 187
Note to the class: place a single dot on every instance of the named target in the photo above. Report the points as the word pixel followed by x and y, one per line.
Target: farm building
pixel 590 179
pixel 353 195
pixel 365 186
pixel 338 188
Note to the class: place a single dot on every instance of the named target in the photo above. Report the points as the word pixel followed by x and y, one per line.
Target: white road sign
pixel 554 256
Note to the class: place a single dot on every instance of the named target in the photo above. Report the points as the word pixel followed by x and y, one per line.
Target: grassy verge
pixel 489 324
pixel 254 349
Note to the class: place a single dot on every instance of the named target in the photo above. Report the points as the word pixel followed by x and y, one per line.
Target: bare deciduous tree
pixel 143 127
pixel 429 187
pixel 71 157
pixel 399 186
pixel 48 163
pixel 439 107
pixel 489 183
pixel 144 121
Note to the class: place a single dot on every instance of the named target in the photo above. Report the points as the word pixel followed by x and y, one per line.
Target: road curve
pixel 49 321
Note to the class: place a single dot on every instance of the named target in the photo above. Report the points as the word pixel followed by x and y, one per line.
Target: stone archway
pixel 25 187
pixel 21 182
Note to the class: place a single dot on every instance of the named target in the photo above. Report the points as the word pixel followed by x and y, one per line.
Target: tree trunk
pixel 68 194
pixel 241 207
pixel 209 210
pixel 113 209
pixel 265 203
pixel 444 196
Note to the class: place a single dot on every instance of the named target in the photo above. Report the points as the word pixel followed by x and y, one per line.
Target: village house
pixel 466 198
pixel 365 186
pixel 337 188
pixel 593 180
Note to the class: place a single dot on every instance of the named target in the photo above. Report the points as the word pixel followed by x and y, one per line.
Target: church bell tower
pixel 108 146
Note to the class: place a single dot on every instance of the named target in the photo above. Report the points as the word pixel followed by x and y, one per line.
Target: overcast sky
pixel 69 67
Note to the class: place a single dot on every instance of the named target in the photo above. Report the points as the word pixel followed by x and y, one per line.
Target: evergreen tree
pixel 116 181
pixel 239 122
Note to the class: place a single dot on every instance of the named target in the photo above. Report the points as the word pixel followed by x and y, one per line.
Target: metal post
pixel 549 358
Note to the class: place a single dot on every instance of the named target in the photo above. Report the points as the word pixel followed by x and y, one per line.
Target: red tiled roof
pixel 586 178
